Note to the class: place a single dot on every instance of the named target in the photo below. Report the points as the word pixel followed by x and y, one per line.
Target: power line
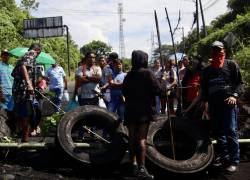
pixel 101 12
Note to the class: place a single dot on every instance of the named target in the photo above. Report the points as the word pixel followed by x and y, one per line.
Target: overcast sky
pixel 98 19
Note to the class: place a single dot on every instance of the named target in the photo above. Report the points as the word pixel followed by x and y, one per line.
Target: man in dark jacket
pixel 220 87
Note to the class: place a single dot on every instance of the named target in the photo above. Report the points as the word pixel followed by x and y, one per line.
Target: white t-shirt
pixel 86 88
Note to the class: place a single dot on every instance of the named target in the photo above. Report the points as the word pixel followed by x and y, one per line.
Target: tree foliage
pixel 30 4
pixel 237 22
pixel 11 30
pixel 239 6
pixel 242 57
pixel 99 47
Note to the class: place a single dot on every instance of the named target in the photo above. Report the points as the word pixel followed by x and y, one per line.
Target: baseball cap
pixel 218 44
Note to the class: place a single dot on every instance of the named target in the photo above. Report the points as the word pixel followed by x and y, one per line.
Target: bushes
pixel 243 58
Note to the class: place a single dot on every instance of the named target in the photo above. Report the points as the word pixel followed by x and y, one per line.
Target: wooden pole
pixel 197 19
pixel 203 20
pixel 159 39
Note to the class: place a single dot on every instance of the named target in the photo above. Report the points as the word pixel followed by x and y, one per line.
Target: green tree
pixel 239 6
pixel 126 64
pixel 99 47
pixel 11 36
pixel 29 5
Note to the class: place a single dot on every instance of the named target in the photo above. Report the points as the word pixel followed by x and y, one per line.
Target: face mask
pixel 218 59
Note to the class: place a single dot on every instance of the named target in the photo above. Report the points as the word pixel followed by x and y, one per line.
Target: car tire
pixel 193 150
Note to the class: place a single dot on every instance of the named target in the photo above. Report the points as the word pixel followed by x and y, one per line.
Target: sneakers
pixel 143 174
pixel 220 162
pixel 231 169
pixel 133 169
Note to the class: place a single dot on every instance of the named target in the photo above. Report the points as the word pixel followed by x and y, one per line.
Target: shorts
pixel 9 102
pixel 24 109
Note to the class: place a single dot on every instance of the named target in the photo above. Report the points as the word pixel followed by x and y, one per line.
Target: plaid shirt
pixel 20 86
pixel 6 80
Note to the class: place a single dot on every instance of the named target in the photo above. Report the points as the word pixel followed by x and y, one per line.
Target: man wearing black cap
pixel 220 87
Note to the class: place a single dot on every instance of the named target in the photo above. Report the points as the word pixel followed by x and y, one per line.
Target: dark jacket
pixel 140 88
pixel 219 84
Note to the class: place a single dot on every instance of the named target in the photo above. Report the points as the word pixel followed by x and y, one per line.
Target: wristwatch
pixel 235 95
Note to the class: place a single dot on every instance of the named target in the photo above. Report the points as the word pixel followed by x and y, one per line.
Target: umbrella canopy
pixel 179 56
pixel 43 58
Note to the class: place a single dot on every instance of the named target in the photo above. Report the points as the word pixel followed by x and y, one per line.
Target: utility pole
pixel 152 46
pixel 67 39
pixel 121 36
pixel 203 20
pixel 197 20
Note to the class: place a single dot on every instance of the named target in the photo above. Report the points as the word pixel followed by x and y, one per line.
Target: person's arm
pixel 26 78
pixel 116 85
pixel 96 77
pixel 237 88
pixel 194 102
pixel 65 83
pixel 2 99
pixel 238 83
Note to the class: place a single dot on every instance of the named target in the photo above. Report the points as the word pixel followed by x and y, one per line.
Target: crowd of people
pixel 136 96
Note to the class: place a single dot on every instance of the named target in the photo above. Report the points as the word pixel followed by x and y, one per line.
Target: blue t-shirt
pixel 56 77
pixel 118 77
pixel 6 80
pixel 106 72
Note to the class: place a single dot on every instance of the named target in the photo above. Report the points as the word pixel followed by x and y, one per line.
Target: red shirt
pixel 193 84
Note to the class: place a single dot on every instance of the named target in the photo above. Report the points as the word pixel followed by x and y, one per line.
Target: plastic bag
pixel 102 103
pixel 66 95
pixel 72 104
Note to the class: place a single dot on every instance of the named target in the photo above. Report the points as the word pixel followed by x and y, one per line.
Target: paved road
pixel 50 164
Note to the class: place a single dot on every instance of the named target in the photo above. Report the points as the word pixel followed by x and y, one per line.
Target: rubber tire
pixel 203 152
pixel 115 152
pixel 4 128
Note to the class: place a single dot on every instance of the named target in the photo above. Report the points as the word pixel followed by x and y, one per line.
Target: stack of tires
pixel 184 149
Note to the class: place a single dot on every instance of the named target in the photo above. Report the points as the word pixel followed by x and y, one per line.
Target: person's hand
pixel 231 100
pixel 30 89
pixel 2 99
pixel 184 112
pixel 103 89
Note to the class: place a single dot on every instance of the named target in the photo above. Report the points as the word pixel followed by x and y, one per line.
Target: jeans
pixel 116 105
pixel 57 99
pixel 158 105
pixel 224 123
